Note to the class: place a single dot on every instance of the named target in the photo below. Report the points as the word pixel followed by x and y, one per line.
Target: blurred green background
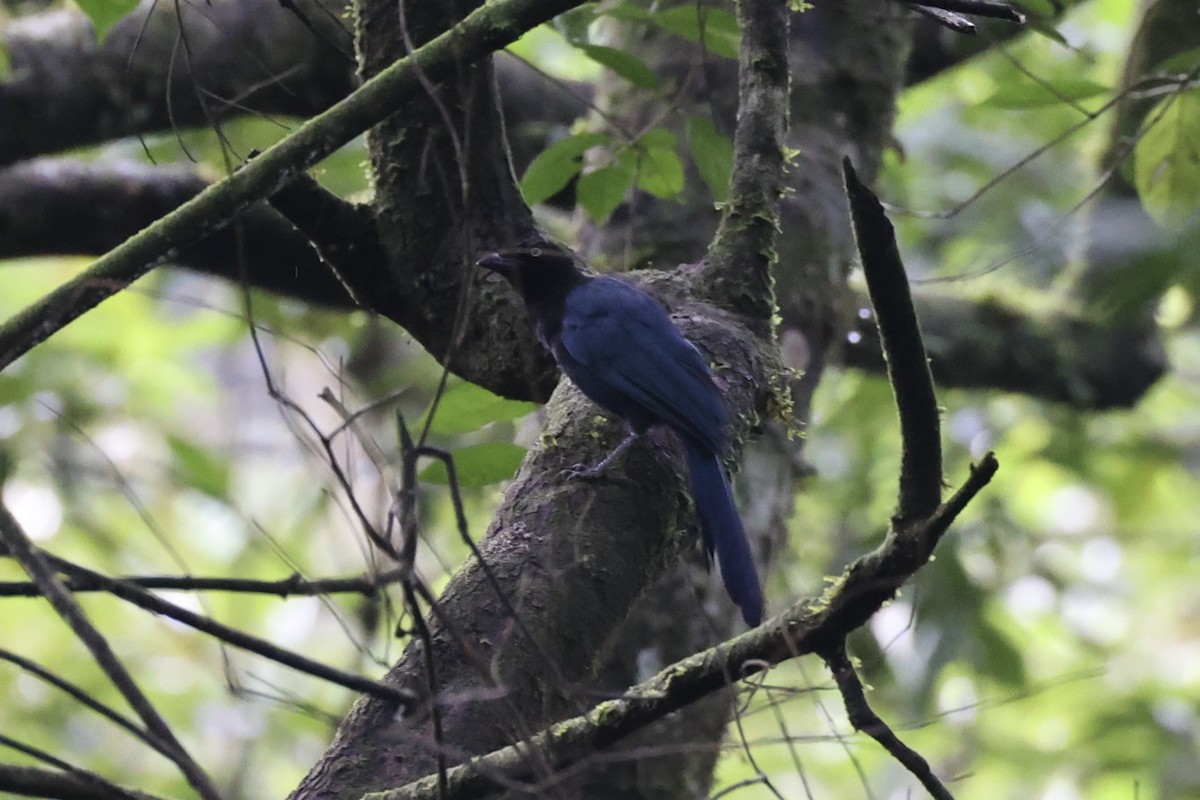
pixel 1052 650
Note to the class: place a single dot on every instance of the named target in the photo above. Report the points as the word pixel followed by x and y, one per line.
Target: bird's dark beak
pixel 502 265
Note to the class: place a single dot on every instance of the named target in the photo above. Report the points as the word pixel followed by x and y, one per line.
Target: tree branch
pixel 743 251
pixel 293 586
pixel 106 204
pixel 149 602
pixel 903 350
pixel 810 626
pixel 991 343
pixel 64 90
pixel 75 784
pixel 985 343
pixel 978 8
pixel 490 27
pixel 79 695
pixel 19 546
pixel 864 719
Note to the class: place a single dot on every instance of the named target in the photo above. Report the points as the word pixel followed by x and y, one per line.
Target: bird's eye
pixel 536 252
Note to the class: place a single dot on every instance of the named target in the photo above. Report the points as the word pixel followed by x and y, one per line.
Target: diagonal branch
pixel 490 27
pixel 64 784
pixel 79 695
pixel 810 626
pixel 920 488
pixel 18 545
pixel 1062 355
pixel 67 90
pixel 978 8
pixel 148 601
pixel 864 719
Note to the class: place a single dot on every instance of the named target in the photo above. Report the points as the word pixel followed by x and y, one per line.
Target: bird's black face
pixel 499 263
pixel 530 267
pixel 509 264
pixel 527 259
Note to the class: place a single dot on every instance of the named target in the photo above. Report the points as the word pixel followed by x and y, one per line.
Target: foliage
pixel 1049 652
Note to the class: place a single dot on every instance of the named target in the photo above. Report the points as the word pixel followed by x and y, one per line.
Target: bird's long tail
pixel 722 530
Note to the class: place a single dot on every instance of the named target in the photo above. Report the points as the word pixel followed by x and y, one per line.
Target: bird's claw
pixel 597 472
pixel 581 472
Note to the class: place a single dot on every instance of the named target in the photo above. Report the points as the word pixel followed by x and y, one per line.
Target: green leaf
pixel 1040 8
pixel 625 64
pixel 5 64
pixel 465 407
pixel 199 468
pixel 715 28
pixel 1182 62
pixel 1046 28
pixel 1026 94
pixel 1001 659
pixel 105 13
pixel 1167 160
pixel 602 190
pixel 712 153
pixel 658 137
pixel 659 170
pixel 628 11
pixel 478 465
pixel 556 165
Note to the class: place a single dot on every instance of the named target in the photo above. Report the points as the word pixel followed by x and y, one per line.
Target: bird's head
pixel 535 272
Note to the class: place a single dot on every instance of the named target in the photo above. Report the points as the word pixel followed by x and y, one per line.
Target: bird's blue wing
pixel 632 360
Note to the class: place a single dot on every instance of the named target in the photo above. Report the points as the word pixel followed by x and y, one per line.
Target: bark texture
pixel 168 65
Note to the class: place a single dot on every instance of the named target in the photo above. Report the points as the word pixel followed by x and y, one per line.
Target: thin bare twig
pixel 295 585
pixel 809 626
pixel 406 499
pixel 864 719
pixel 80 695
pixel 35 563
pixel 151 602
pixel 490 27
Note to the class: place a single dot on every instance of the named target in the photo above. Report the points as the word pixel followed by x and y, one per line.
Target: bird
pixel 618 345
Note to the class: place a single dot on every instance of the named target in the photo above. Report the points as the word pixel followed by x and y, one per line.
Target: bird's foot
pixel 597 472
pixel 583 473
pixel 593 472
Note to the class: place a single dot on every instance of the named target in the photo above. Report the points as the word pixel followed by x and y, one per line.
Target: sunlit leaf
pixel 105 13
pixel 1120 293
pixel 1180 62
pixel 1001 658
pixel 1027 94
pixel 465 407
pixel 715 28
pixel 1042 8
pixel 1167 160
pixel 712 153
pixel 628 11
pixel 659 170
pixel 479 465
pixel 622 62
pixel 1048 30
pixel 199 468
pixel 602 190
pixel 554 167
